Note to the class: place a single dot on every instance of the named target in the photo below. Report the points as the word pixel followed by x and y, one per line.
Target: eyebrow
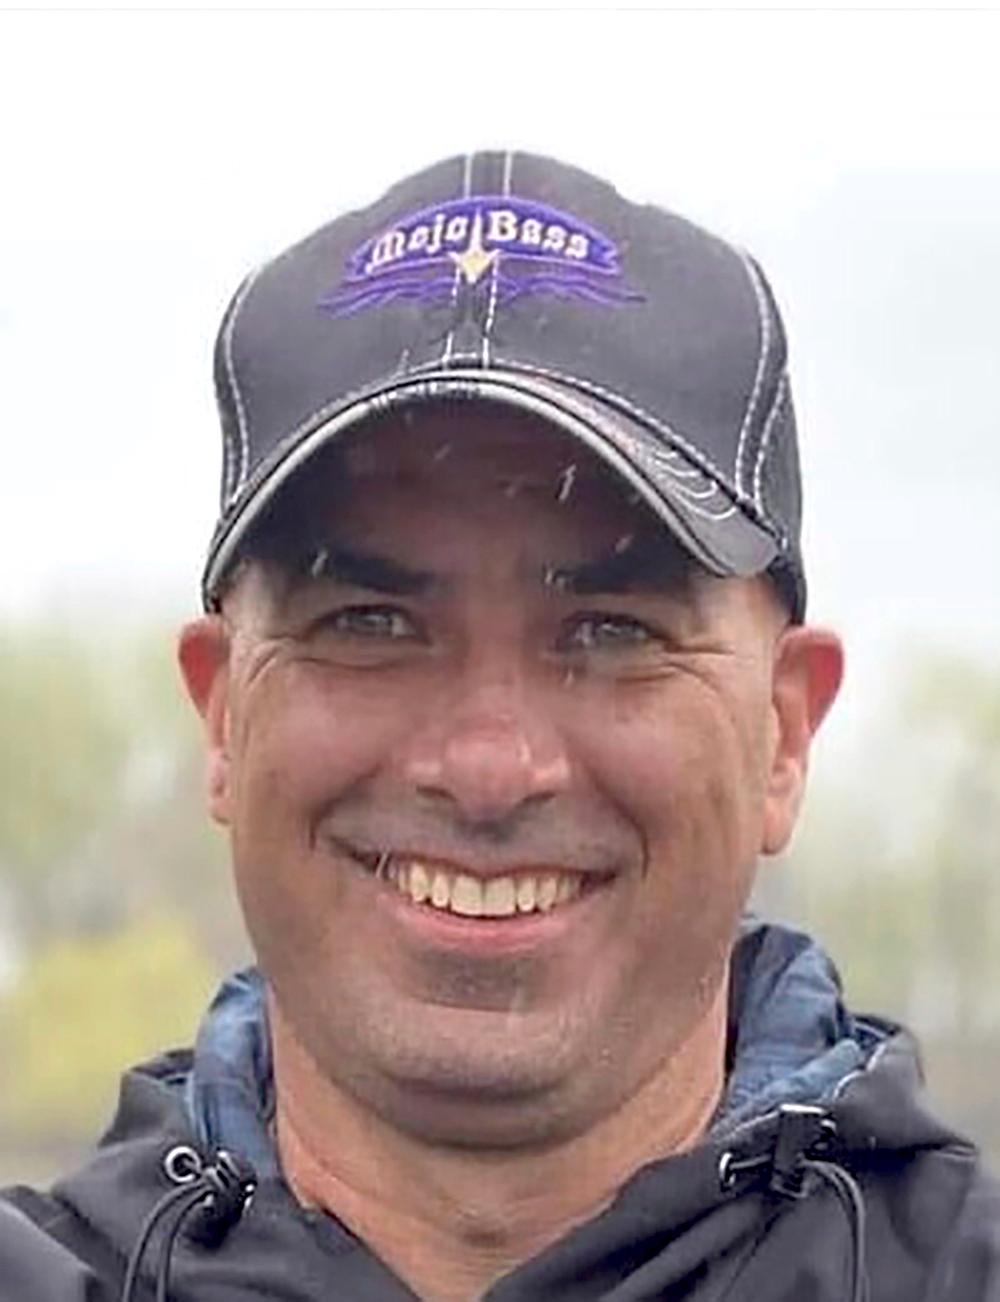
pixel 644 569
pixel 357 569
pixel 647 568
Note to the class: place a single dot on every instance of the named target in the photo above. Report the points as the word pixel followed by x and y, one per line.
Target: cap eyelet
pixel 183 1164
pixel 727 1176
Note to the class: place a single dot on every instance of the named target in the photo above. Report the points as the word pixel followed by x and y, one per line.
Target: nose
pixel 490 753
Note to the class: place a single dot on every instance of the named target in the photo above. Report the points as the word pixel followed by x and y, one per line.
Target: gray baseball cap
pixel 515 279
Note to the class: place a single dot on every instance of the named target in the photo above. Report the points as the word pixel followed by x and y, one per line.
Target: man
pixel 506 686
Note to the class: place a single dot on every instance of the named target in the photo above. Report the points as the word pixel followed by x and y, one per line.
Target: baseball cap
pixel 515 279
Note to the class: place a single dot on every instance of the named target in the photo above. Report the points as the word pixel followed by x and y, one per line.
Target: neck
pixel 451 1221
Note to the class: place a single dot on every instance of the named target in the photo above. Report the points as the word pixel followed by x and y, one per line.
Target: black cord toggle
pixel 803 1129
pixel 229 1183
pixel 209 1199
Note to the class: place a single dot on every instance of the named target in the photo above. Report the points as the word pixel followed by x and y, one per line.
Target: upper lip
pixel 480 866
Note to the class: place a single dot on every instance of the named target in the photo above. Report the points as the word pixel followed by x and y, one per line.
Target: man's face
pixel 496 774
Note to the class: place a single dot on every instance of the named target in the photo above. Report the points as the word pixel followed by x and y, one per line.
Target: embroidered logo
pixel 514 246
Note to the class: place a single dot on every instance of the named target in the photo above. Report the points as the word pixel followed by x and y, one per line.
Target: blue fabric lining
pixel 793 1041
pixel 229 1092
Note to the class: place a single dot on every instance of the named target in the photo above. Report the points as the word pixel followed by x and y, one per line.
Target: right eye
pixel 364 636
pixel 389 622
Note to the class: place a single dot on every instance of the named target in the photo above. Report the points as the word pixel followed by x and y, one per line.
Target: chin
pixel 485 1110
pixel 455 1078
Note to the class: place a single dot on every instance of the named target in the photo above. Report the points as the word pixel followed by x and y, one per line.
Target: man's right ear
pixel 203 651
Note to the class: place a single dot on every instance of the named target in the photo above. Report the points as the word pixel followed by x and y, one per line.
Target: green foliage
pixel 64 750
pixel 101 812
pixel 897 872
pixel 86 1008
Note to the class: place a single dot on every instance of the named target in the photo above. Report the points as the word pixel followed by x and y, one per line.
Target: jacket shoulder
pixel 48 1253
pixel 968 1264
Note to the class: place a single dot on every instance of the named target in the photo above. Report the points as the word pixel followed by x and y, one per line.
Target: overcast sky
pixel 148 160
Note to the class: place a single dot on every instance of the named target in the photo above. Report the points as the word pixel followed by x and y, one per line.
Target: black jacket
pixel 815 1184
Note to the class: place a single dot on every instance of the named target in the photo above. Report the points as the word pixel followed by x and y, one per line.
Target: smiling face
pixel 497 762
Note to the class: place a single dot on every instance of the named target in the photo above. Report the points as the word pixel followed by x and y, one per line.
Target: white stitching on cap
pixel 277 453
pixel 241 415
pixel 319 416
pixel 449 342
pixel 508 167
pixel 616 400
pixel 781 393
pixel 764 320
pixel 654 460
pixel 347 399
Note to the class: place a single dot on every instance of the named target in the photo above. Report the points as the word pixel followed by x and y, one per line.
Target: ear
pixel 808 668
pixel 203 652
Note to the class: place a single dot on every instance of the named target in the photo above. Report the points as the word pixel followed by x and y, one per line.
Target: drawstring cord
pixel 219 1192
pixel 804 1134
pixel 852 1200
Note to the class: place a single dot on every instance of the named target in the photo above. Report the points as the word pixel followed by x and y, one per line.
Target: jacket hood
pixel 810 1087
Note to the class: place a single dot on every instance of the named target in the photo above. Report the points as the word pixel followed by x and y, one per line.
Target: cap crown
pixel 515 264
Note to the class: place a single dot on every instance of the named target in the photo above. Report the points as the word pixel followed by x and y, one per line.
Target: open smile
pixel 449 888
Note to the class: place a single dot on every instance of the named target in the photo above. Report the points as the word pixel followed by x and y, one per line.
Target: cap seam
pixel 764 325
pixel 321 414
pixel 449 342
pixel 508 169
pixel 780 395
pixel 695 454
pixel 363 396
pixel 242 421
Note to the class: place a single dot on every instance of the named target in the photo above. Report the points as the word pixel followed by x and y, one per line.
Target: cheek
pixel 302 738
pixel 306 734
pixel 686 761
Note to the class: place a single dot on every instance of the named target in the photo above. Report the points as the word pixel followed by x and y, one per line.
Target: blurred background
pixel 149 159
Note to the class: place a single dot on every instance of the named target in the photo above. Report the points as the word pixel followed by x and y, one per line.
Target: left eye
pixel 606 632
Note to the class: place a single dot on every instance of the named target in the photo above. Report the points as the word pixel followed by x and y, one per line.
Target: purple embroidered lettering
pixel 387 248
pixel 437 231
pixel 502 227
pixel 500 246
pixel 456 230
pixel 555 238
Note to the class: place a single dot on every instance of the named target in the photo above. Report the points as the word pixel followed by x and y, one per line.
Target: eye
pixel 389 622
pixel 606 632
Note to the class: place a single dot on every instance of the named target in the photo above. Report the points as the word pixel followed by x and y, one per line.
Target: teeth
pixel 499 897
pixel 466 896
pixel 419 884
pixel 440 891
pixel 525 894
pixel 475 897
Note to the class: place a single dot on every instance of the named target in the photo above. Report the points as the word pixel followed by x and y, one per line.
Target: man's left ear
pixel 808 668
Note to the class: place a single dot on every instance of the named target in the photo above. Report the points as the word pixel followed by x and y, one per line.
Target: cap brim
pixel 716 529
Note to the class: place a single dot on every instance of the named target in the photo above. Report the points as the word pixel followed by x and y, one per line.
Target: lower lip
pixel 519 932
